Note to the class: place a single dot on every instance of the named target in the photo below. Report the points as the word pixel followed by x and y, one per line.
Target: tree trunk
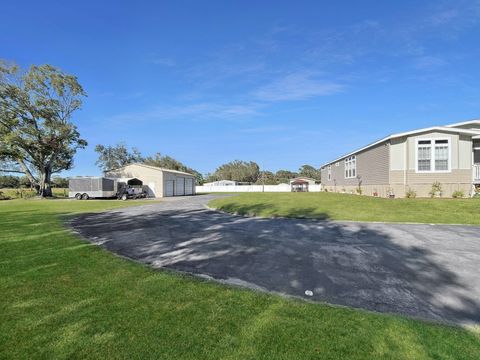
pixel 44 189
pixel 27 172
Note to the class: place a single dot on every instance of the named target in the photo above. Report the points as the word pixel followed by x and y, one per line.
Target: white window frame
pixel 432 155
pixel 349 160
pixel 329 172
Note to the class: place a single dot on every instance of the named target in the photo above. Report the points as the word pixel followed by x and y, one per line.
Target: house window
pixel 350 167
pixel 441 155
pixel 433 155
pixel 329 172
pixel 424 155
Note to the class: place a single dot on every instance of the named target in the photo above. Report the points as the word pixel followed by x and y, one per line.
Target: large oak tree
pixel 37 137
pixel 115 156
pixel 237 170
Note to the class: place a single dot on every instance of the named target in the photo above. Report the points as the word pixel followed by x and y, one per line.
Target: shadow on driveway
pixel 423 271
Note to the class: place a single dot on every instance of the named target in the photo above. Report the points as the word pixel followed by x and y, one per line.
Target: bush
pixel 9 181
pixel 410 194
pixel 458 194
pixel 3 196
pixel 476 191
pixel 26 193
pixel 436 190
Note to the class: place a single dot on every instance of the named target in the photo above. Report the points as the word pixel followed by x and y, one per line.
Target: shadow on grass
pixel 347 264
pixel 270 210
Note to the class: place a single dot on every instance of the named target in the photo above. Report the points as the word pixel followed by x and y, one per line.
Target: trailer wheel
pixel 78 196
pixel 124 197
pixel 85 197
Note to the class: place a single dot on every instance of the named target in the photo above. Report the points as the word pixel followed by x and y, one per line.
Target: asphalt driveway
pixel 425 271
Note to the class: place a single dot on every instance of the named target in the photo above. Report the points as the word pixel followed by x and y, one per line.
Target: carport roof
pixel 153 168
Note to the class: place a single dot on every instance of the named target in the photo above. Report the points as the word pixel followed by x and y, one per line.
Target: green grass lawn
pixel 29 193
pixel 353 207
pixel 61 297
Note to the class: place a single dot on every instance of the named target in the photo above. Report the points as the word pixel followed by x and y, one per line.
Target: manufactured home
pixel 411 162
pixel 158 182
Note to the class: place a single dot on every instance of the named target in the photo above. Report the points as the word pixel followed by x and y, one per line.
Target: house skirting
pixel 399 190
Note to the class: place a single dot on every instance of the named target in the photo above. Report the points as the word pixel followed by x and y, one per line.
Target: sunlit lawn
pixel 353 207
pixel 61 297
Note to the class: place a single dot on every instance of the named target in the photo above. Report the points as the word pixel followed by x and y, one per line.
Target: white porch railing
pixel 476 172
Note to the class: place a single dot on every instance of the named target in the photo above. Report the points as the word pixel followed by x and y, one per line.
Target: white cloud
pixel 448 19
pixel 429 62
pixel 121 96
pixel 264 129
pixel 296 86
pixel 133 95
pixel 443 17
pixel 199 111
pixel 163 62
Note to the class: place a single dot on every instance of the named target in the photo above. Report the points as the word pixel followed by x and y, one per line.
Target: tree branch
pixel 27 171
pixel 12 171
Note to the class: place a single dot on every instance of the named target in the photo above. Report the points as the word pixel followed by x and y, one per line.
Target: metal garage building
pixel 159 182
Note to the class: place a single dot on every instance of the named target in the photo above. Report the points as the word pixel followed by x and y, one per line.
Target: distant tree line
pixel 115 156
pixel 16 182
pixel 249 172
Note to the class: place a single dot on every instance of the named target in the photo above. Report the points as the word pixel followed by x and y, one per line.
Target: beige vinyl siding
pixel 465 152
pixel 414 178
pixel 372 167
pixel 403 150
pixel 412 144
pixel 391 167
pixel 398 153
pixel 403 166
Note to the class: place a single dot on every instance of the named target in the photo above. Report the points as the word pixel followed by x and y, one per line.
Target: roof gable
pixel 471 124
pixel 153 168
pixel 448 128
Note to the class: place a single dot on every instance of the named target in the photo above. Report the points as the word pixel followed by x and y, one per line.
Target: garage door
pixel 180 189
pixel 169 188
pixel 188 186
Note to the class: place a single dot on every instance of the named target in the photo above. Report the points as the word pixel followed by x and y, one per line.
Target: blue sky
pixel 282 83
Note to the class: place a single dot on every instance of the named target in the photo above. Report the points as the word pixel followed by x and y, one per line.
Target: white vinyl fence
pixel 253 188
